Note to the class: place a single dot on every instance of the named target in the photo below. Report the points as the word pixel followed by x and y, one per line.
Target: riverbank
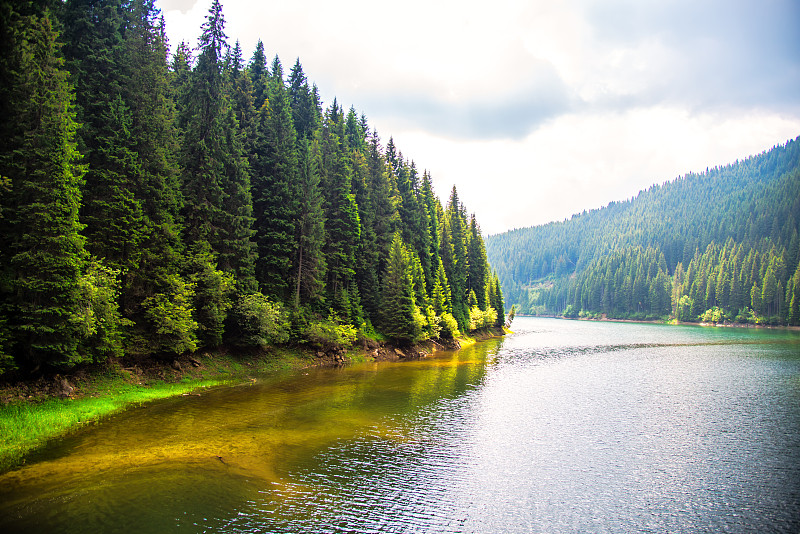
pixel 36 410
pixel 668 321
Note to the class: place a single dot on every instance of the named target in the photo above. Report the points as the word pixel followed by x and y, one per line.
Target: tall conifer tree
pixel 43 251
pixel 276 193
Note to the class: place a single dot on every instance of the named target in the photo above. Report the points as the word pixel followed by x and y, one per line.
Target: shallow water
pixel 564 426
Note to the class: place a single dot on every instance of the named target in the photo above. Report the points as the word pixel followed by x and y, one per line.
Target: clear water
pixel 564 426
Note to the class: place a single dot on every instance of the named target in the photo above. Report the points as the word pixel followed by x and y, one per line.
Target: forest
pixel 156 203
pixel 718 246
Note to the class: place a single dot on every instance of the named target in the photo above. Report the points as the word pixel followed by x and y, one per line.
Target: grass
pixel 27 424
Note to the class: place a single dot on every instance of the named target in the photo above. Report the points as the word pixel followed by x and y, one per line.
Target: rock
pixel 176 365
pixel 194 362
pixel 399 353
pixel 65 388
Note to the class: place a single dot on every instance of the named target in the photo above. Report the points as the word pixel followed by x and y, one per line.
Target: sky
pixel 539 109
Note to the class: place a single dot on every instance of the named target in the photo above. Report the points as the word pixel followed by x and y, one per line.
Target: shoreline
pixel 669 322
pixel 36 411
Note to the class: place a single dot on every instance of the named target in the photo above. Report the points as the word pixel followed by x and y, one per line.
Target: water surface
pixel 564 426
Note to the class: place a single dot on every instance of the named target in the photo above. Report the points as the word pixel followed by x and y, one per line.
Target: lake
pixel 563 426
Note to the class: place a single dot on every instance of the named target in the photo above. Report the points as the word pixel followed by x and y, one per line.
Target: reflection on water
pixel 562 427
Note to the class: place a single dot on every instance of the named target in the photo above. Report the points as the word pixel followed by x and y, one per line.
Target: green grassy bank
pixel 31 414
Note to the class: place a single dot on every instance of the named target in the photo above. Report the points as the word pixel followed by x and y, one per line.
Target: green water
pixel 564 426
pixel 194 460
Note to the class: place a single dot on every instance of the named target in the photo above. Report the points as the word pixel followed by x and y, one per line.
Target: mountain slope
pixel 751 206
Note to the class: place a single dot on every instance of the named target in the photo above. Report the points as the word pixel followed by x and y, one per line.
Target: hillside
pixel 725 239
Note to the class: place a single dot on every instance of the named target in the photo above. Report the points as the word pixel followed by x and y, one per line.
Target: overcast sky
pixel 539 109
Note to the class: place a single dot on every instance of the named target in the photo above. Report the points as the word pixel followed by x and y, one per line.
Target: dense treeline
pixel 717 246
pixel 155 204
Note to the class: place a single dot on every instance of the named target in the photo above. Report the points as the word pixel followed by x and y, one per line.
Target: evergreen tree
pixel 310 265
pixel 258 75
pixel 43 251
pixel 455 228
pixel 95 33
pixel 496 301
pixel 342 224
pixel 275 191
pixel 402 320
pixel 305 107
pixel 478 271
pixel 216 185
pixel 383 197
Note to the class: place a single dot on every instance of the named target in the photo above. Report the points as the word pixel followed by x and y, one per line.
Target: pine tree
pixel 496 301
pixel 478 271
pixel 305 107
pixel 402 320
pixel 383 197
pixel 218 209
pixel 258 75
pixel 276 194
pixel 95 33
pixel 430 204
pixel 367 249
pixel 45 257
pixel 310 264
pixel 342 224
pixel 455 227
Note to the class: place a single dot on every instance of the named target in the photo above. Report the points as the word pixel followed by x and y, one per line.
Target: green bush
pixel 213 298
pixel 97 320
pixel 481 318
pixel 448 326
pixel 170 314
pixel 331 332
pixel 259 322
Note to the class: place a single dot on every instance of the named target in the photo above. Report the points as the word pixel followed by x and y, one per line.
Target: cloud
pixel 184 6
pixel 536 109
pixel 510 110
pixel 724 55
pixel 585 160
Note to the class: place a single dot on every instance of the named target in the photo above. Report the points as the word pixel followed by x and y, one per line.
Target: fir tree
pixel 342 224
pixel 310 265
pixel 258 75
pixel 216 185
pixel 276 195
pixel 478 271
pixel 45 255
pixel 402 320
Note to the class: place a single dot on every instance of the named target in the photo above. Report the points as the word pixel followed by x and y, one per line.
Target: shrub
pixel 331 332
pixel 170 314
pixel 481 318
pixel 448 326
pixel 257 321
pixel 98 321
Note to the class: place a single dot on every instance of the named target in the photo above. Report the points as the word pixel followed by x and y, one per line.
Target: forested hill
pixel 155 203
pixel 719 245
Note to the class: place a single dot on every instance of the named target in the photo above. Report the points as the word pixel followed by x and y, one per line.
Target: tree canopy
pixel 154 204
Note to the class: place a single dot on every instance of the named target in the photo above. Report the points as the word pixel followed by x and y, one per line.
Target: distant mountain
pixel 720 245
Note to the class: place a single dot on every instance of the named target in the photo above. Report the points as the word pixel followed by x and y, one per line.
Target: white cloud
pixel 578 162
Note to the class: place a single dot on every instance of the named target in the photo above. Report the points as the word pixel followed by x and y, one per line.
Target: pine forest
pixel 721 246
pixel 155 203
